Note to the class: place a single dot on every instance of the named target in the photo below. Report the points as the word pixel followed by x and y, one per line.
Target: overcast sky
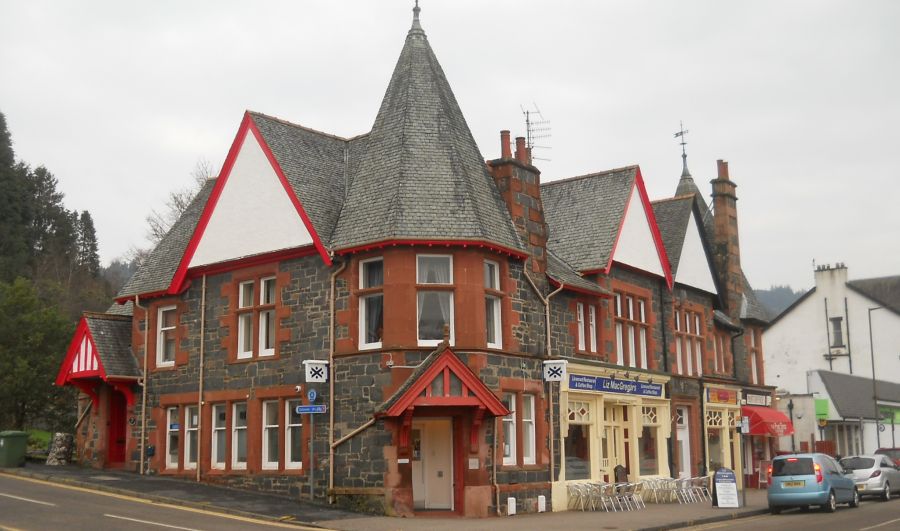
pixel 121 99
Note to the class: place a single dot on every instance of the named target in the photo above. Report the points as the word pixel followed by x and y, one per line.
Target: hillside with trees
pixel 778 298
pixel 49 273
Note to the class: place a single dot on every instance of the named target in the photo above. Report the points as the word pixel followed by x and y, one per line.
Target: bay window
pixel 493 330
pixel 371 303
pixel 434 300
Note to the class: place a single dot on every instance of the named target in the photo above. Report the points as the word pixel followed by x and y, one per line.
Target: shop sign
pixel 756 400
pixel 725 488
pixel 582 382
pixel 721 396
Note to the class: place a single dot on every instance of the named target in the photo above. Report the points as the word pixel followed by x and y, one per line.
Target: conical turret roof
pixel 422 177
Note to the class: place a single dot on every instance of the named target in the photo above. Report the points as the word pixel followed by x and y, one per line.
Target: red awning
pixel 767 421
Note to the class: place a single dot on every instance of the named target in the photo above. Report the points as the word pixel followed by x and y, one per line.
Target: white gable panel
pixel 693 267
pixel 254 214
pixel 636 246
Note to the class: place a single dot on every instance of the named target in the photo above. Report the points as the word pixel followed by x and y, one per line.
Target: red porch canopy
pixel 767 421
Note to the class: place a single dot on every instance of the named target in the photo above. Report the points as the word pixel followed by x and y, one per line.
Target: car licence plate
pixel 787 484
pixel 861 486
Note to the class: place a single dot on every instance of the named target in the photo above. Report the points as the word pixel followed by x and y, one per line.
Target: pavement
pixel 187 493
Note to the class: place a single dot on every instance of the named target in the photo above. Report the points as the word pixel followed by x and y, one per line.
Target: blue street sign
pixel 311 395
pixel 310 409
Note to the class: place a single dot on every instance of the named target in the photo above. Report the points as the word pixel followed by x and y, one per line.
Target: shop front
pixel 612 421
pixel 766 424
pixel 722 414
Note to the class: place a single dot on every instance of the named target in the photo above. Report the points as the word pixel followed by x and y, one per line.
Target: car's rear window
pixel 857 463
pixel 893 454
pixel 793 466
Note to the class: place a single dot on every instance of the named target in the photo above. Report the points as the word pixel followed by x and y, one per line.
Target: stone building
pixel 423 289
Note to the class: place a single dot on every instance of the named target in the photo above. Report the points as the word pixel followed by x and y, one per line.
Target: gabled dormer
pixel 681 227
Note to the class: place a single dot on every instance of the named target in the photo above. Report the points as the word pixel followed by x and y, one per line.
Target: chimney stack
pixel 521 152
pixel 727 242
pixel 505 148
pixel 519 184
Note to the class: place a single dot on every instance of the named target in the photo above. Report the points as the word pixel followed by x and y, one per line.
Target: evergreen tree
pixel 33 341
pixel 15 212
pixel 88 254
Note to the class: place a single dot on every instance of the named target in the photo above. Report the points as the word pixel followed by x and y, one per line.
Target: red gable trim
pixel 447 361
pixel 65 374
pixel 435 243
pixel 246 125
pixel 654 229
pixel 602 294
pixel 250 261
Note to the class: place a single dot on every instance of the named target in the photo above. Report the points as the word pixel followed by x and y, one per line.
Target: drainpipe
pixel 494 467
pixel 670 448
pixel 144 383
pixel 200 387
pixel 546 303
pixel 331 444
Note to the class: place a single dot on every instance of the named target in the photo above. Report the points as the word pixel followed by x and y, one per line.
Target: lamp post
pixel 790 407
pixel 874 388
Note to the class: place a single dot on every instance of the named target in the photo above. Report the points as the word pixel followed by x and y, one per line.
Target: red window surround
pixel 691 357
pixel 633 324
pixel 255 308
pixel 152 328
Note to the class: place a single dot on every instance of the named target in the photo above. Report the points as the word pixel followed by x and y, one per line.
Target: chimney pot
pixel 505 148
pixel 723 169
pixel 521 153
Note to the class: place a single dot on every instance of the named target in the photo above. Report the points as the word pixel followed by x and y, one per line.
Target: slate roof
pixel 673 217
pixel 584 215
pixel 412 379
pixel 313 163
pixel 883 290
pixel 852 395
pixel 112 339
pixel 751 308
pixel 422 177
pixel 563 273
pixel 121 309
pixel 156 273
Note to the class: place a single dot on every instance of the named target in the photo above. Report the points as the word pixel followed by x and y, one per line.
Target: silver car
pixel 874 475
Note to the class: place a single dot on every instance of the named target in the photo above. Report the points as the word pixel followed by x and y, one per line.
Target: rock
pixel 61 447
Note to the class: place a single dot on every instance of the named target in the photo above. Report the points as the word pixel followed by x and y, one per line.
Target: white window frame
pixel 191 428
pixel 620 331
pixel 510 442
pixel 215 451
pixel 679 353
pixel 160 342
pixel 528 430
pixel 363 317
pixel 495 305
pixel 265 315
pixel 269 431
pixel 241 337
pixel 698 343
pixel 579 318
pixel 235 430
pixel 592 326
pixel 289 407
pixel 172 419
pixel 435 342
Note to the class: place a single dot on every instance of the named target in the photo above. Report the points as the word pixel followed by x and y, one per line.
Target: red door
pixel 116 423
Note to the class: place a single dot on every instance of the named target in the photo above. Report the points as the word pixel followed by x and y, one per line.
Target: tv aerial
pixel 536 128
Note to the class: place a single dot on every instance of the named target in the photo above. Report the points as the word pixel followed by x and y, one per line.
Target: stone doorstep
pixel 207 506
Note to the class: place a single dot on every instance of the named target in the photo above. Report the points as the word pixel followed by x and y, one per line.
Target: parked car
pixel 801 480
pixel 874 474
pixel 893 453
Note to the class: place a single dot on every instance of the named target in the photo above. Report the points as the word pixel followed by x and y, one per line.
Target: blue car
pixel 801 480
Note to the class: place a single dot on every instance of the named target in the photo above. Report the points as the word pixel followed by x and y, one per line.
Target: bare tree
pixel 160 221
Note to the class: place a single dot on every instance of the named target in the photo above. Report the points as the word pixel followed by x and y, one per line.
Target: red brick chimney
pixel 519 184
pixel 727 243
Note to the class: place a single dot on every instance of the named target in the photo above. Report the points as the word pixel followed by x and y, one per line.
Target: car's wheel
pixel 831 504
pixel 775 510
pixel 886 495
pixel 854 502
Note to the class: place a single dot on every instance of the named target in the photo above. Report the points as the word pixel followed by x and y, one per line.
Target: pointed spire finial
pixel 684 171
pixel 416 27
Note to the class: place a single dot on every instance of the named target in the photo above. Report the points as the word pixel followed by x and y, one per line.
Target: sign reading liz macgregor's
pixel 613 385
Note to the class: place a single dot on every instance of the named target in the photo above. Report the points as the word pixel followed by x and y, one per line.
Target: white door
pixel 432 466
pixel 683 440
